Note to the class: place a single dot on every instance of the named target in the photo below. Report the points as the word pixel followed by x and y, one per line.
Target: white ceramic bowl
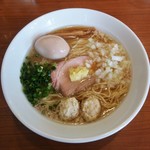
pixel 39 124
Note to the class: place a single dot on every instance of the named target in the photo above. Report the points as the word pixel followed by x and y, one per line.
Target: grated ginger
pixel 78 73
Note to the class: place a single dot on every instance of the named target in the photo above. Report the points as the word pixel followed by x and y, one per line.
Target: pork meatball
pixel 90 109
pixel 69 109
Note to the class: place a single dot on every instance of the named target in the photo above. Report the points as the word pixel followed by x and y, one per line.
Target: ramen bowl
pixel 23 110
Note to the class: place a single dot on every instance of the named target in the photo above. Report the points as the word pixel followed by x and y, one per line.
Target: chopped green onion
pixel 36 80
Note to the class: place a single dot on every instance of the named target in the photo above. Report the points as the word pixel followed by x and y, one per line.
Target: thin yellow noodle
pixel 108 95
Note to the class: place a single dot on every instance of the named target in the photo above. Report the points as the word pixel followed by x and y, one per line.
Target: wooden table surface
pixel 15 14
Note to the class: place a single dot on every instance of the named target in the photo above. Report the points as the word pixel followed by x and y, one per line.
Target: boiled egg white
pixel 52 47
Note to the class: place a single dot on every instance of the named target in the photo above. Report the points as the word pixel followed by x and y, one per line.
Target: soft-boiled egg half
pixel 52 47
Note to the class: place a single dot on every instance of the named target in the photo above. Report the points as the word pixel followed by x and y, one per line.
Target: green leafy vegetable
pixel 36 80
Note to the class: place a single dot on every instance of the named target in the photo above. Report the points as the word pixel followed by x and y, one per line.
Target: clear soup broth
pixel 85 86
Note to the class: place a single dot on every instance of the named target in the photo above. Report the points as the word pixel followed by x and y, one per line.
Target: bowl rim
pixel 88 139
